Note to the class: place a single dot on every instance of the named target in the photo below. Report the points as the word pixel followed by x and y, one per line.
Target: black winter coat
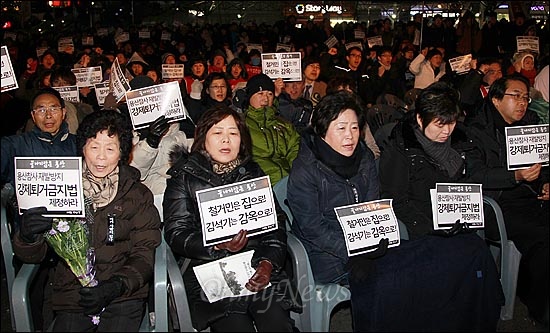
pixel 183 233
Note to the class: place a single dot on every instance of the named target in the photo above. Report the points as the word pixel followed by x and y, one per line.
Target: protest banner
pixel 9 80
pixel 526 145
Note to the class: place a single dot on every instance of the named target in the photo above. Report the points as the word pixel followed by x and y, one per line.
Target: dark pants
pixel 118 317
pixel 264 315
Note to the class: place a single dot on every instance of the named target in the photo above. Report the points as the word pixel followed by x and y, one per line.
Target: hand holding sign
pixel 360 266
pixel 33 224
pixel 235 244
pixel 261 277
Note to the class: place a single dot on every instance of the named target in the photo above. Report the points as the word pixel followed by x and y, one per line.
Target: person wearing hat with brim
pixel 275 141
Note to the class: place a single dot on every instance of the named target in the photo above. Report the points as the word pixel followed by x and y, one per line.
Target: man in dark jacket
pixel 522 194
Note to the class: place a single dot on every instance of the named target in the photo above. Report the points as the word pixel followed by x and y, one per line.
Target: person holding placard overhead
pixel 448 273
pixel 334 168
pixel 222 154
pixel 522 194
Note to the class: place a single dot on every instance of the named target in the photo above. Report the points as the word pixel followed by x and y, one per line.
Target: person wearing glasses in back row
pixel 49 137
pixel 522 194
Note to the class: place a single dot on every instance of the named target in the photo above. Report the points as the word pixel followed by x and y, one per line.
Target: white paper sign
pixel 281 46
pixel 376 40
pixel 119 83
pixel 52 182
pixel 40 51
pixel 527 43
pixel 144 34
pixel 252 46
pixel 359 34
pixel 526 145
pixel 365 224
pixel 9 80
pixel 226 277
pixel 166 35
pixel 101 32
pixel 352 44
pixel 452 202
pixel 88 40
pixel 65 44
pixel 285 65
pixel 122 37
pixel 101 91
pixel 69 93
pixel 461 64
pixel 172 71
pixel 88 76
pixel 227 209
pixel 147 104
pixel 331 41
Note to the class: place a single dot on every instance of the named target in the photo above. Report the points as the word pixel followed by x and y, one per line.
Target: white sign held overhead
pixel 286 65
pixel 9 80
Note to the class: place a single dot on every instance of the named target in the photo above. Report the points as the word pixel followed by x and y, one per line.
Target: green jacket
pixel 275 142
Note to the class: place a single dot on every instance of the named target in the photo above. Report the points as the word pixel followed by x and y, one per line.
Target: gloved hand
pixel 33 224
pixel 196 89
pixel 235 244
pixel 261 277
pixel 156 131
pixel 360 266
pixel 94 299
pixel 457 228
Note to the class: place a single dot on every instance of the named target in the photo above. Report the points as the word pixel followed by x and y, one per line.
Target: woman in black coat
pixel 221 154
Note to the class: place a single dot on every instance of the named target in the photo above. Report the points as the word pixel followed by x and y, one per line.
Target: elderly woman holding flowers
pixel 108 256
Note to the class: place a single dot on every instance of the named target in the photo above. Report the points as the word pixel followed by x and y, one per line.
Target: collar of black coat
pixel 61 135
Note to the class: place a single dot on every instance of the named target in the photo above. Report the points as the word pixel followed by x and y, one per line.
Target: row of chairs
pixel 171 308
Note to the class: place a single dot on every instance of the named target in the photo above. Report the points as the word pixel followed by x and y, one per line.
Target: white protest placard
pixel 69 93
pixel 147 104
pixel 365 224
pixel 527 43
pixel 118 82
pixel 172 71
pixel 9 80
pixel 166 35
pixel 452 202
pixel 359 34
pixel 286 65
pixel 101 91
pixel 252 46
pixel 281 46
pixel 376 40
pixel 88 40
pixel 65 44
pixel 122 37
pixel 352 44
pixel 331 41
pixel 102 32
pixel 226 277
pixel 52 182
pixel 88 76
pixel 144 34
pixel 526 145
pixel 227 209
pixel 461 64
pixel 40 51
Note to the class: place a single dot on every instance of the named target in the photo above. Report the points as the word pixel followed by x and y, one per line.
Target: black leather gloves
pixel 235 244
pixel 33 224
pixel 261 277
pixel 156 131
pixel 94 299
pixel 360 266
pixel 457 228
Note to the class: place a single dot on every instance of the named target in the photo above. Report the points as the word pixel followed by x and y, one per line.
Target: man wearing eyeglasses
pixel 522 194
pixel 49 137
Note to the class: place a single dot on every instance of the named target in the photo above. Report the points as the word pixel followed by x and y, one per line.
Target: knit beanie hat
pixel 259 82
pixel 166 55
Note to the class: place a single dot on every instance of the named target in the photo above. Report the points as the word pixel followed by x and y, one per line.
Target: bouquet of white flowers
pixel 69 239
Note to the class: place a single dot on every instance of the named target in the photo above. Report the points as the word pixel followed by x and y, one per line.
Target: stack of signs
pixel 365 224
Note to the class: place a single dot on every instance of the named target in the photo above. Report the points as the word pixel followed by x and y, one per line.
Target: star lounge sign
pixel 309 8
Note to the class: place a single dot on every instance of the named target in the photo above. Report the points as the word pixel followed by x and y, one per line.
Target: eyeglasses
pixel 218 87
pixel 54 110
pixel 520 98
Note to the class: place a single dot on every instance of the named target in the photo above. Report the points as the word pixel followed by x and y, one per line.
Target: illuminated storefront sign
pixel 309 8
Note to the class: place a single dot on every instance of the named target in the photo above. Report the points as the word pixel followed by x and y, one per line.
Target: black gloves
pixel 457 228
pixel 156 131
pixel 94 299
pixel 33 224
pixel 360 266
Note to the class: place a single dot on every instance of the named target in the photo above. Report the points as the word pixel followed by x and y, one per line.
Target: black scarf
pixel 344 166
pixel 441 152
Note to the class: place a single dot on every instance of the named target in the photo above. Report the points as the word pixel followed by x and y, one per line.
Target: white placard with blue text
pixel 147 104
pixel 457 201
pixel 52 182
pixel 286 65
pixel 526 145
pixel 227 209
pixel 365 224
pixel 9 79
